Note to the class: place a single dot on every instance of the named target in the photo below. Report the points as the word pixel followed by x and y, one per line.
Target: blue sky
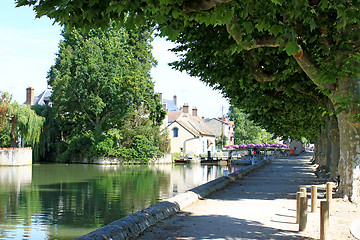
pixel 28 47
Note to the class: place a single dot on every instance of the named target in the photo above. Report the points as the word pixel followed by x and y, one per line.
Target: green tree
pixel 321 37
pixel 18 123
pixel 246 131
pixel 101 80
pixel 99 77
pixel 47 147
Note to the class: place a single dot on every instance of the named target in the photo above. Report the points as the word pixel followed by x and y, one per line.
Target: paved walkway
pixel 259 206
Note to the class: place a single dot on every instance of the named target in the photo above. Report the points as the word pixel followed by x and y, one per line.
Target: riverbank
pixel 131 226
pixel 259 206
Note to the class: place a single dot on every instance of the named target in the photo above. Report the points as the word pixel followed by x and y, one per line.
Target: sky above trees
pixel 28 47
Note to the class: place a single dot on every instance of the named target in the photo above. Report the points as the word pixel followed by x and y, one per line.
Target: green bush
pixel 144 147
pixel 77 148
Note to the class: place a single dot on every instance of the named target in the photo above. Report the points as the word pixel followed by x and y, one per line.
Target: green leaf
pixel 263 25
pixel 323 4
pixel 292 47
pixel 277 2
pixel 249 27
pixel 276 29
pixel 312 24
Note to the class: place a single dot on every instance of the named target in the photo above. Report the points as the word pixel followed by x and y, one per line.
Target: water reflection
pixel 58 201
pixel 15 176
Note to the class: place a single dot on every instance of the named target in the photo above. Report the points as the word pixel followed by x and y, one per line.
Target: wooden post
pixel 304 191
pixel 329 191
pixel 313 198
pixel 303 214
pixel 324 220
pixel 298 196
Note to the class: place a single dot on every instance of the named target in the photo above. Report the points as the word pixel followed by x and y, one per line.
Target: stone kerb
pixel 119 160
pixel 132 225
pixel 15 156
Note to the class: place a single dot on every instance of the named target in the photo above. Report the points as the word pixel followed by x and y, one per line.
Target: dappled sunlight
pixel 186 226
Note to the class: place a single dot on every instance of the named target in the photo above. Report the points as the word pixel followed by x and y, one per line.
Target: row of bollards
pixel 302 204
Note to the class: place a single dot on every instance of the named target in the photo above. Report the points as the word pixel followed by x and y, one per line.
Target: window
pixel 175 132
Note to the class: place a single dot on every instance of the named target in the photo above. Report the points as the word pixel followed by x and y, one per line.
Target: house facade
pixel 189 134
pixel 220 126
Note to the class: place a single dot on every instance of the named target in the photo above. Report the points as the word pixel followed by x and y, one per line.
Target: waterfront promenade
pixel 261 205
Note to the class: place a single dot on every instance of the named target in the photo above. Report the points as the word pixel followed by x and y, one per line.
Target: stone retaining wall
pixel 132 225
pixel 15 156
pixel 120 160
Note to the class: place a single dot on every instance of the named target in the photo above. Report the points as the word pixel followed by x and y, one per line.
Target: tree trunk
pixel 13 136
pixel 334 148
pixel 349 133
pixel 323 145
pixel 349 162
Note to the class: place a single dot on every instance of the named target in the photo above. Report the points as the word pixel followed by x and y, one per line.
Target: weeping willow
pixel 23 124
pixel 5 99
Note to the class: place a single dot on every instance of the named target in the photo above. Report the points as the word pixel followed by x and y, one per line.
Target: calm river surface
pixel 58 201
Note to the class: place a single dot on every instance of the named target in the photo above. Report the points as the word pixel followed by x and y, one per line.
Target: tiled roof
pixel 195 125
pixel 173 115
pixel 219 120
pixel 44 97
pixel 170 105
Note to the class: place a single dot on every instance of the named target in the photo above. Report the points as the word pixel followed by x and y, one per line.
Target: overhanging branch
pixel 258 72
pixel 257 42
pixel 190 6
pixel 310 69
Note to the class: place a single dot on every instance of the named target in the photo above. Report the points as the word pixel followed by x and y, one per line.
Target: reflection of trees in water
pixel 102 200
pixel 84 197
pixel 87 203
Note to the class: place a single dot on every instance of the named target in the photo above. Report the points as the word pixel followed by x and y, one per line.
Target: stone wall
pixel 15 156
pixel 120 160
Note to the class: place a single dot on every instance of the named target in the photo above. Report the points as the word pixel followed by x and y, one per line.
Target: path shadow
pixel 183 226
pixel 280 179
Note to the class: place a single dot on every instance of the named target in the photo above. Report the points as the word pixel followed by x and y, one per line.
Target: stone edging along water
pixel 132 225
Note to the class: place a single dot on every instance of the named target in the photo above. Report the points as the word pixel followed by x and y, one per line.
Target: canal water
pixel 59 201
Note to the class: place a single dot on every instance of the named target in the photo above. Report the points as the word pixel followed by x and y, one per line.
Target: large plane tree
pixel 321 36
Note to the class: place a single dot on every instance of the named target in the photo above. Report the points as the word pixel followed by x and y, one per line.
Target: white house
pixel 189 134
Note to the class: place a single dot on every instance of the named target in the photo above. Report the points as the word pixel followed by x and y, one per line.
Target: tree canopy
pixel 101 76
pixel 20 125
pixel 320 36
pixel 100 80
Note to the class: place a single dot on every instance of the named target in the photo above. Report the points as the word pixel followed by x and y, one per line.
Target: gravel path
pixel 262 205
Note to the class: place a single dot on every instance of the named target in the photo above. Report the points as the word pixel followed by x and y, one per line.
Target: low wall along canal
pixel 15 156
pixel 132 225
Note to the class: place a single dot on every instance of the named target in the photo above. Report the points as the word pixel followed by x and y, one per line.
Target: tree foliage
pixel 101 76
pixel 100 80
pixel 246 131
pixel 20 125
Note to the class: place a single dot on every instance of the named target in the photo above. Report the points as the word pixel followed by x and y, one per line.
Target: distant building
pixel 42 99
pixel 220 126
pixel 189 133
pixel 172 111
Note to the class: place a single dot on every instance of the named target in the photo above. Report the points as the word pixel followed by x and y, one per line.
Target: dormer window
pixel 175 132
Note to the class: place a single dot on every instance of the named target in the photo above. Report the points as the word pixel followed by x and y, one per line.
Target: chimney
pixel 30 96
pixel 194 111
pixel 175 100
pixel 186 108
